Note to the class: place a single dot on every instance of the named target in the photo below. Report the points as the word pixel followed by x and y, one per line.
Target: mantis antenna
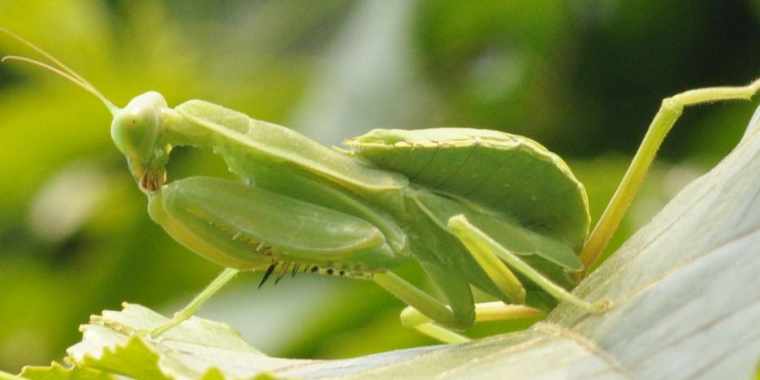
pixel 61 69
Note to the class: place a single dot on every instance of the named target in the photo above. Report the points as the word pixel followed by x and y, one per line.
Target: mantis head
pixel 135 128
pixel 135 131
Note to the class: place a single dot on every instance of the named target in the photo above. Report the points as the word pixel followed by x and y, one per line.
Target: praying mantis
pixel 472 208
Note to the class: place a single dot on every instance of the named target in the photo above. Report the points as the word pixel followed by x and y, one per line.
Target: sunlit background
pixel 583 77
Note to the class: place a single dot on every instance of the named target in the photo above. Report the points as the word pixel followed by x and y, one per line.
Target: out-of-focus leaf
pixel 368 79
pixel 67 201
pixel 685 290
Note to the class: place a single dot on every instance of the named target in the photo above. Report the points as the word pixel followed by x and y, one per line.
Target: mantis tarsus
pixel 474 208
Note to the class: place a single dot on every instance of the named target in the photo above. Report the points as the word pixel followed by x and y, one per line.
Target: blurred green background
pixel 583 77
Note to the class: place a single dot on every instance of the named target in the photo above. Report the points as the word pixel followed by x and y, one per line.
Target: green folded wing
pixel 506 173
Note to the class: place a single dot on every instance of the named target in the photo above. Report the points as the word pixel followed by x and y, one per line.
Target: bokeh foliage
pixel 582 77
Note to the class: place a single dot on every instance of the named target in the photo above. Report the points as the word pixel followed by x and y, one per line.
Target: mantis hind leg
pixel 490 254
pixel 663 122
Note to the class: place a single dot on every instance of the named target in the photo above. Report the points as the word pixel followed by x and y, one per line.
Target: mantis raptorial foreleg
pixel 201 211
pixel 481 246
pixel 666 117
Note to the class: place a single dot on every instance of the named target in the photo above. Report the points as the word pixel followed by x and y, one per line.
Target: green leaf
pixel 194 350
pixel 197 349
pixel 685 290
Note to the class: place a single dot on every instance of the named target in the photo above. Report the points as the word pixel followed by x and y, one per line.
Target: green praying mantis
pixel 473 208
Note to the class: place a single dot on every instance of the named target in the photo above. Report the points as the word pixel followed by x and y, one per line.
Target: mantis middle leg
pixel 426 314
pixel 489 254
pixel 431 317
pixel 484 312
